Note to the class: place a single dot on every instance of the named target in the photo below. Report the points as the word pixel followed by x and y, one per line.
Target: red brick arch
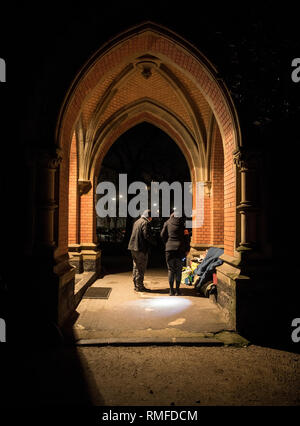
pixel 151 39
pixel 144 116
pixel 172 50
pixel 89 232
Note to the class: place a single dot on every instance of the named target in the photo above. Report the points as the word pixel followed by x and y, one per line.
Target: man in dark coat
pixel 139 245
pixel 176 248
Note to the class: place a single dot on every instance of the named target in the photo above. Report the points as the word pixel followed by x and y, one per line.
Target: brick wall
pixel 87 217
pixel 73 195
pixel 217 191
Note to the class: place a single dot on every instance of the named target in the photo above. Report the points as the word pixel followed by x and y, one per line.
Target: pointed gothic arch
pixel 148 73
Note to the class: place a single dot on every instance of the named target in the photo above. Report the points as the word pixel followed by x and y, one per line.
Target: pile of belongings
pixel 187 274
pixel 201 270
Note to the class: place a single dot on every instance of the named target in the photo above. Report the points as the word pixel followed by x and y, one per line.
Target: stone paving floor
pixel 153 315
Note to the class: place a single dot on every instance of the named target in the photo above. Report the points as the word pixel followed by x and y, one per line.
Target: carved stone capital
pixel 239 160
pixel 207 187
pixel 50 160
pixel 246 160
pixel 84 186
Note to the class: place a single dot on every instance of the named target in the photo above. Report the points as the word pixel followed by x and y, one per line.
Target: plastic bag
pixel 194 266
pixel 187 276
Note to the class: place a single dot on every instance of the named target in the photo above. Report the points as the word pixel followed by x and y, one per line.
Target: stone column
pixel 55 275
pixel 46 202
pixel 239 277
pixel 247 165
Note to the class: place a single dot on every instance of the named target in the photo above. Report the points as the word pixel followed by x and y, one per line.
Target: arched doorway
pixel 149 74
pixel 144 154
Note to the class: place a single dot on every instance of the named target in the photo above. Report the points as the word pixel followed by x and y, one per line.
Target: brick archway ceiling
pixel 146 79
pixel 179 136
pixel 146 65
pixel 165 86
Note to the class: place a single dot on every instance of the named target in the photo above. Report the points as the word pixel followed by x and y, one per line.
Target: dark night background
pixel 148 154
pixel 252 45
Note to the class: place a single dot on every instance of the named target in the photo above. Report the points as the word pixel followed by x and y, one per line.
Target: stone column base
pixel 85 257
pixel 75 258
pixel 91 261
pixel 248 296
pixel 227 275
pixel 64 281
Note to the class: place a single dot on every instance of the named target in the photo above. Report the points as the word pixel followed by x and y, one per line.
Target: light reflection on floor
pixel 162 306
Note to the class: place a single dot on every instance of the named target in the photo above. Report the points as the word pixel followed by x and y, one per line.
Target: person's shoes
pixel 143 289
pixel 177 293
pixel 171 293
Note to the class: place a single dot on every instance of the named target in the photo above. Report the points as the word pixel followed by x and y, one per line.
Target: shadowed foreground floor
pixel 154 375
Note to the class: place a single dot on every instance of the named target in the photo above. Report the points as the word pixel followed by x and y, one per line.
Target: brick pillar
pixel 217 193
pixel 91 255
pixel 201 219
pixel 73 219
pixel 74 213
pixel 230 220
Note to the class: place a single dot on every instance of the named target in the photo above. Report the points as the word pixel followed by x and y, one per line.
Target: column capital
pixel 50 160
pixel 84 186
pixel 245 159
pixel 207 187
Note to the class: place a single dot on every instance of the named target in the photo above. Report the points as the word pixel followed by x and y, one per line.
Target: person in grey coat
pixel 139 245
pixel 176 248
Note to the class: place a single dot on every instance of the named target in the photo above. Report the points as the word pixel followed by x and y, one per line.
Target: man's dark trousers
pixel 140 261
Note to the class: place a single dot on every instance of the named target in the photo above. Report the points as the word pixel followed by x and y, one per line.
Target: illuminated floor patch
pixel 162 306
pixel 179 321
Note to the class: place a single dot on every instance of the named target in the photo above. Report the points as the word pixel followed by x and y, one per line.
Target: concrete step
pixel 82 283
pixel 222 338
pixel 139 341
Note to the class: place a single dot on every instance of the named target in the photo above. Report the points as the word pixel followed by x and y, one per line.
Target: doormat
pixel 97 293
